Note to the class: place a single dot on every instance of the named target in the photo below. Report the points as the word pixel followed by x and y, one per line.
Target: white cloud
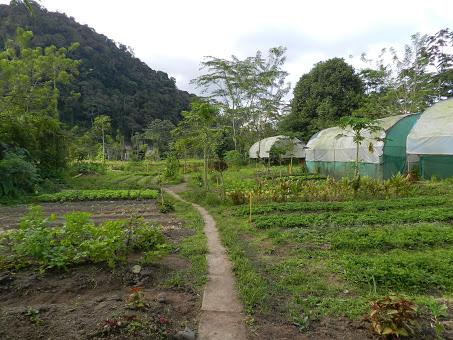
pixel 174 35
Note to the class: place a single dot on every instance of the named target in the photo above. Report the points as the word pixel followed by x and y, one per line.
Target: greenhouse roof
pixel 337 145
pixel 433 132
pixel 262 148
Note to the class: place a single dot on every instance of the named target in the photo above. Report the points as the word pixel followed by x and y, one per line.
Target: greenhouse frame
pixel 382 154
pixel 262 148
pixel 430 143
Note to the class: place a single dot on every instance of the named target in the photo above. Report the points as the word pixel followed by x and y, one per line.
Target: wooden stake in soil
pixel 250 207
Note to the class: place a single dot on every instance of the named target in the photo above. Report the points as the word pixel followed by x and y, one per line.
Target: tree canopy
pixel 29 94
pixel 332 89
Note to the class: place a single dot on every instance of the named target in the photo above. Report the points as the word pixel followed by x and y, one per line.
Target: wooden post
pixel 250 207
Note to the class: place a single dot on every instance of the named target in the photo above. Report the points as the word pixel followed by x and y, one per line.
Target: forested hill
pixel 111 81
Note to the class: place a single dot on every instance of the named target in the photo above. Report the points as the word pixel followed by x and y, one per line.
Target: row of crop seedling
pixel 77 240
pixel 352 206
pixel 296 189
pixel 405 271
pixel 96 195
pixel 372 217
pixel 387 237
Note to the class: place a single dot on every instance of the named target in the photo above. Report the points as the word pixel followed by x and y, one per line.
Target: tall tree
pixel 158 132
pixel 101 126
pixel 439 50
pixel 360 129
pixel 332 89
pixel 250 91
pixel 29 117
pixel 200 129
pixel 398 82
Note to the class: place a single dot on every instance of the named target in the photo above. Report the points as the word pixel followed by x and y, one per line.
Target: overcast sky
pixel 173 36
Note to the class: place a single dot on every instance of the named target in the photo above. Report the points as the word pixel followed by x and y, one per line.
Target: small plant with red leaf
pixel 393 316
pixel 112 325
pixel 136 299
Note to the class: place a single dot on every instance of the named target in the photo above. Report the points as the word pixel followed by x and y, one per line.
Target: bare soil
pixel 92 301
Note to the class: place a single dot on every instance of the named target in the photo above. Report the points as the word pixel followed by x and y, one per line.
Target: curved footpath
pixel 221 312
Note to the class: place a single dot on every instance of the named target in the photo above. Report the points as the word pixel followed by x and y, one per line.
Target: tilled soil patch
pixel 100 211
pixel 93 301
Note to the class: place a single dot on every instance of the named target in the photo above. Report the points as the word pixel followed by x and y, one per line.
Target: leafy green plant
pixel 166 207
pixel 171 166
pixel 438 311
pixel 78 240
pixel 33 315
pixel 393 315
pixel 234 158
pixel 86 168
pixel 17 176
pixel 238 197
pixel 136 299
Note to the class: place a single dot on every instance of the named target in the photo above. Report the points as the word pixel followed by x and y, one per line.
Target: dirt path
pixel 221 312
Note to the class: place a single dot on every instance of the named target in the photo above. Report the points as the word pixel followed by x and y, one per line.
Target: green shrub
pixel 234 158
pixel 17 176
pixel 171 166
pixel 88 169
pixel 238 197
pixel 166 207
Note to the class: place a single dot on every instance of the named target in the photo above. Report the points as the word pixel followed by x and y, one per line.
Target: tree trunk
pixel 103 147
pixel 357 160
pixel 234 135
pixel 205 167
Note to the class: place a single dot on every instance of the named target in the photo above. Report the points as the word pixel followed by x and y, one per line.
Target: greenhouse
pixel 430 143
pixel 291 147
pixel 332 152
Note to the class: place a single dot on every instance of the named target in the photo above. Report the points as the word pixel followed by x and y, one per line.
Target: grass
pixel 312 260
pixel 193 248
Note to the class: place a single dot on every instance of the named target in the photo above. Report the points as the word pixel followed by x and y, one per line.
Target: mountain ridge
pixel 112 80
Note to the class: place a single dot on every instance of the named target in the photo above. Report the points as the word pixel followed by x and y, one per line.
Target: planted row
pixel 404 271
pixel 352 206
pixel 77 240
pixel 371 217
pixel 385 238
pixel 95 195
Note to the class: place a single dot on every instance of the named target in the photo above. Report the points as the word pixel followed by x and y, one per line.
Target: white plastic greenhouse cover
pixel 337 145
pixel 433 132
pixel 265 145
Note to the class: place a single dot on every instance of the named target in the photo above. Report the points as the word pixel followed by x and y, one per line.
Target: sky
pixel 174 35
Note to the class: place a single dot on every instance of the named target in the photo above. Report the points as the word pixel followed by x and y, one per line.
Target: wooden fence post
pixel 250 207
